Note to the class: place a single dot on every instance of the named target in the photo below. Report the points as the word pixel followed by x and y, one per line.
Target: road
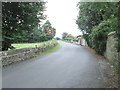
pixel 72 66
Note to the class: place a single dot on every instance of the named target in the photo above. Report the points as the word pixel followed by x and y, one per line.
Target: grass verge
pixel 50 50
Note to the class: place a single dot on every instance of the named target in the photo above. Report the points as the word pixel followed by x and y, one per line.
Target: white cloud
pixel 62 15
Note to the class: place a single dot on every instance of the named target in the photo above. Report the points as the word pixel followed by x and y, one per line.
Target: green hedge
pixel 98 37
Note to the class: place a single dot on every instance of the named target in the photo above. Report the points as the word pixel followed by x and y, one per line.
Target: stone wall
pixel 111 51
pixel 9 57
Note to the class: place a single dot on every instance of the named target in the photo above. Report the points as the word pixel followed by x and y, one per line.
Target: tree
pixel 19 18
pixel 64 35
pixel 48 30
pixel 68 37
pixel 93 13
pixel 96 20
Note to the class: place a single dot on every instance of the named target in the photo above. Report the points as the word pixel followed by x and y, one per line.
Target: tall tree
pixel 96 20
pixel 92 13
pixel 19 17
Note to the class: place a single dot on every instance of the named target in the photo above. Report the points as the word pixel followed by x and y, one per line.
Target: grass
pixel 50 50
pixel 32 45
pixel 28 45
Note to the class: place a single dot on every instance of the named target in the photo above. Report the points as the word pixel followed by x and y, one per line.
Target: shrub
pixel 99 34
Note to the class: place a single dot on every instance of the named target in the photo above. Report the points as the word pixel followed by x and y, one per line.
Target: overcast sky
pixel 62 15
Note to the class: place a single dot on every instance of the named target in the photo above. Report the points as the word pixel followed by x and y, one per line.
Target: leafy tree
pixel 92 13
pixel 95 20
pixel 118 29
pixel 48 30
pixel 18 18
pixel 64 35
pixel 68 37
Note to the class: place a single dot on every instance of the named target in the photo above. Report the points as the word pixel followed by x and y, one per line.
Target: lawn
pixel 29 45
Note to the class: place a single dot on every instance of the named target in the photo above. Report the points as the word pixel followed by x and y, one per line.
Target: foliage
pixel 37 34
pixel 118 29
pixel 92 13
pixel 96 20
pixel 19 17
pixel 68 37
pixel 100 33
pixel 64 35
pixel 48 31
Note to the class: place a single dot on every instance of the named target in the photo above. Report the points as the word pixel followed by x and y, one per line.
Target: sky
pixel 63 14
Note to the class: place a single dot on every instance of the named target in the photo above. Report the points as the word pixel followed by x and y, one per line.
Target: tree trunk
pixel 6 45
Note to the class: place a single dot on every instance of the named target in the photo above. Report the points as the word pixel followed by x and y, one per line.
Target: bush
pixel 98 37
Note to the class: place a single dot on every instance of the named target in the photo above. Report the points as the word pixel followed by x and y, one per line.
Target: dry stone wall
pixel 9 57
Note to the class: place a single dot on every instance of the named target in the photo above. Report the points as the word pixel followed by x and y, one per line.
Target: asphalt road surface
pixel 70 67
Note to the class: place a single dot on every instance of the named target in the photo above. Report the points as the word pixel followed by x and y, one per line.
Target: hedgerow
pixel 98 37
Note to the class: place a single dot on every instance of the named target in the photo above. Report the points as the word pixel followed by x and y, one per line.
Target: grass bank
pixel 40 44
pixel 50 50
pixel 30 45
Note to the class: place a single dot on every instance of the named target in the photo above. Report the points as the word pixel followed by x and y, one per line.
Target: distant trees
pixel 48 30
pixel 38 34
pixel 96 20
pixel 64 35
pixel 68 37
